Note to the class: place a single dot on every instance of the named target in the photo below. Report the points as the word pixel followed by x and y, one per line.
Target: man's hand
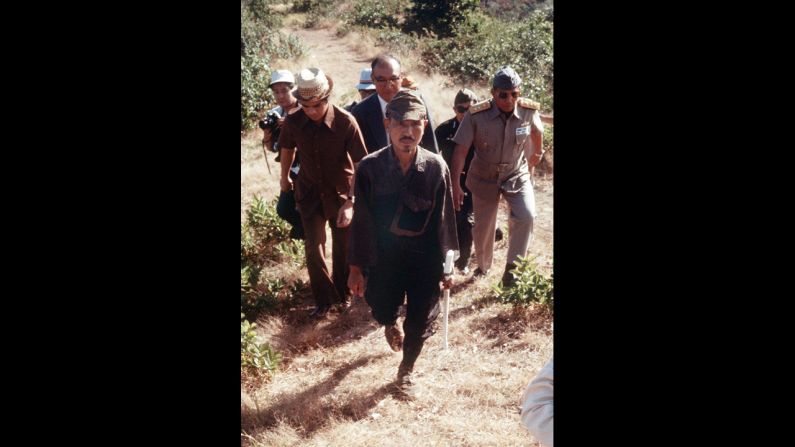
pixel 447 282
pixel 267 135
pixel 345 214
pixel 458 196
pixel 286 183
pixel 356 281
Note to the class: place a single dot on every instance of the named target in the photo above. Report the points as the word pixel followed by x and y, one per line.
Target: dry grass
pixel 334 388
pixel 333 385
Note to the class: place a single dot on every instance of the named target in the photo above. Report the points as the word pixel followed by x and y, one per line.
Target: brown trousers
pixel 326 289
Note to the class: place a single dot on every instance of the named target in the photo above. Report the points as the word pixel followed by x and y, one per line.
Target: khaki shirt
pixel 499 146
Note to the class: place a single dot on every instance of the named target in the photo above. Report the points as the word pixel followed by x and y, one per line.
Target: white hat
pixel 365 81
pixel 312 84
pixel 281 76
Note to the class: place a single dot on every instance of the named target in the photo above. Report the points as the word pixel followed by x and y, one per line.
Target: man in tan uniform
pixel 507 134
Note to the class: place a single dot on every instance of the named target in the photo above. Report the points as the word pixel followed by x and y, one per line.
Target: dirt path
pixel 342 58
pixel 333 385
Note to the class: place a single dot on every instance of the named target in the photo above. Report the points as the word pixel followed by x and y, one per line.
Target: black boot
pixel 507 278
pixel 404 386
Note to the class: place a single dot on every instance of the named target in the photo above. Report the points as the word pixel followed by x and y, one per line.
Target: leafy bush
pixel 260 11
pixel 264 240
pixel 266 227
pixel 476 56
pixel 254 92
pixel 260 42
pixel 531 286
pixel 516 9
pixel 269 295
pixel 256 358
pixel 384 14
pixel 397 42
pixel 309 6
pixel 443 18
pixel 292 251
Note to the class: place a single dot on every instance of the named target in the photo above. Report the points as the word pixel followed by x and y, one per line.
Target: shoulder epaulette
pixel 529 104
pixel 479 107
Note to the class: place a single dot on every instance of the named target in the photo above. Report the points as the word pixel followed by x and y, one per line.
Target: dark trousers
pixel 286 209
pixel 413 275
pixel 464 220
pixel 326 289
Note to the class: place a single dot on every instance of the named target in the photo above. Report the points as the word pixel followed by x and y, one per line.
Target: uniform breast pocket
pixel 412 216
pixel 482 142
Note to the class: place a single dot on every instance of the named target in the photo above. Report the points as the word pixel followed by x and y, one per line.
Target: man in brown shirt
pixel 403 225
pixel 330 144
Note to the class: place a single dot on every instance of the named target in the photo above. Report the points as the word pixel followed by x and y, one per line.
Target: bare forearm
pixel 534 151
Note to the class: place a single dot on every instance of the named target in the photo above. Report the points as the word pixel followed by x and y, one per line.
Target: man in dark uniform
pixel 403 224
pixel 464 218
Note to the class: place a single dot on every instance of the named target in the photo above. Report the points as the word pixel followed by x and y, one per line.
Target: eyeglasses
pixel 318 105
pixel 393 79
pixel 461 109
pixel 504 95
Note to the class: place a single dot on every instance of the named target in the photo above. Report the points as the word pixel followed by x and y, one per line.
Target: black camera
pixel 271 122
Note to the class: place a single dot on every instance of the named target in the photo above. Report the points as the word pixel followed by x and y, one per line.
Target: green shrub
pixel 476 56
pixel 256 358
pixel 254 92
pixel 269 295
pixel 530 286
pixel 384 14
pixel 292 251
pixel 443 18
pixel 265 224
pixel 309 6
pixel 260 42
pixel 397 42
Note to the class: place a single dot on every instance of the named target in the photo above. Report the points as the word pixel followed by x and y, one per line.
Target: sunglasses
pixel 504 95
pixel 461 109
